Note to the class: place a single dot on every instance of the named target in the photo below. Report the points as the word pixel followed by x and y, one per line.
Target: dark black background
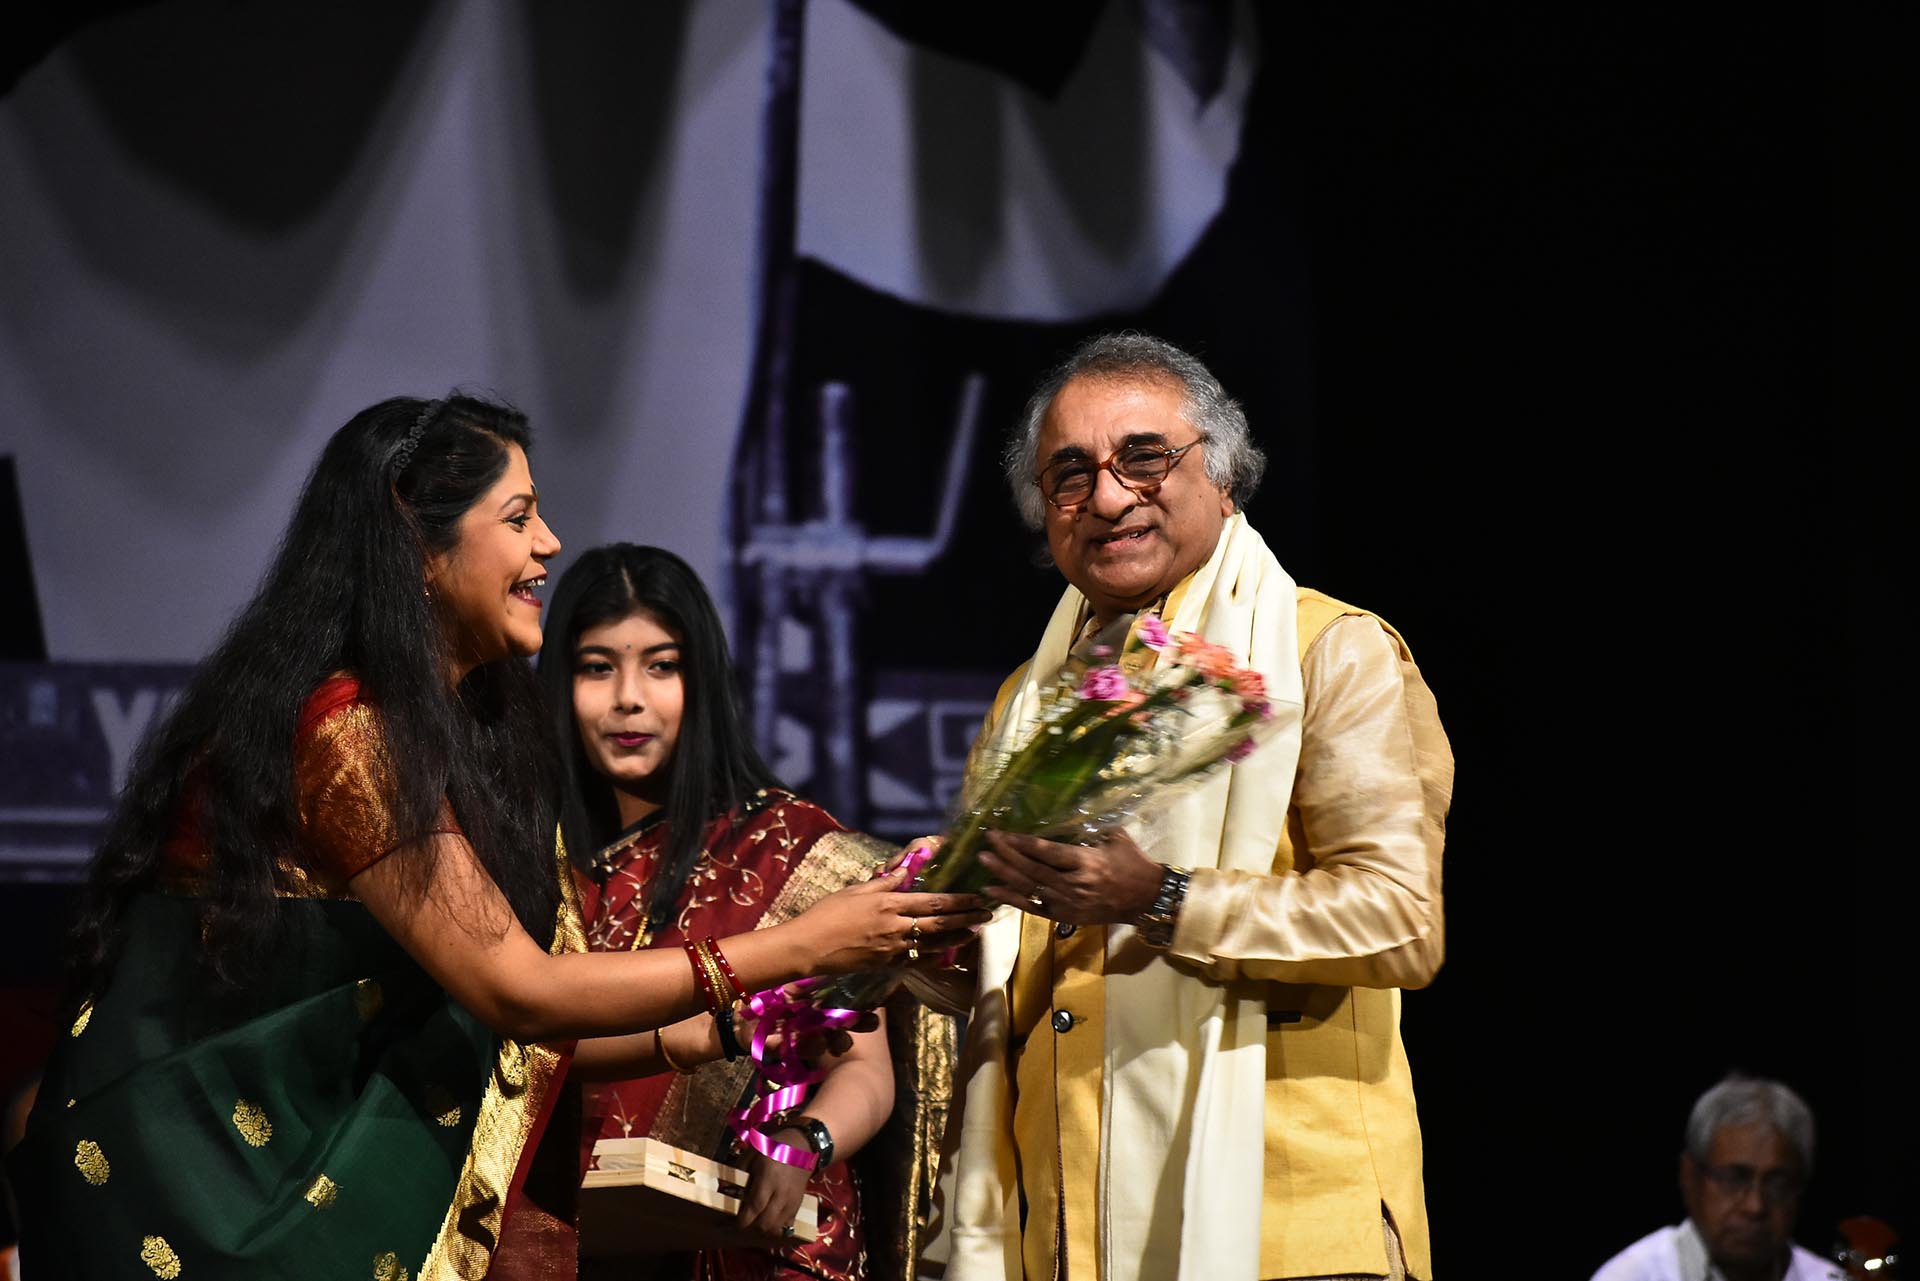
pixel 1594 398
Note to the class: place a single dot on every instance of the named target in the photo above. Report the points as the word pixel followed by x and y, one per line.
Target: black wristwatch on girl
pixel 819 1138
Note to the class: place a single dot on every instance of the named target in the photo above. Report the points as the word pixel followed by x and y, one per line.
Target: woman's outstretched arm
pixel 463 933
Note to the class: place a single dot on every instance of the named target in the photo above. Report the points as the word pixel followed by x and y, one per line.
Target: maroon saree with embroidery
pixel 761 863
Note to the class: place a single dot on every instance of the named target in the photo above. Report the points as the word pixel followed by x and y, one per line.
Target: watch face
pixel 819 1139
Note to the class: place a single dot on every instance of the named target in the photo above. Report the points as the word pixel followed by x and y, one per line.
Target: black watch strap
pixel 819 1138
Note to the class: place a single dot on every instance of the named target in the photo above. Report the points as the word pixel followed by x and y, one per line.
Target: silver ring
pixel 789 1231
pixel 1039 904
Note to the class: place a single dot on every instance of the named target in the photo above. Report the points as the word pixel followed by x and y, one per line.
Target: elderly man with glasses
pixel 1749 1150
pixel 1184 1058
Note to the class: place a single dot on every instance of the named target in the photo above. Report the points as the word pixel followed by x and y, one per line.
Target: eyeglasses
pixel 1140 467
pixel 1777 1187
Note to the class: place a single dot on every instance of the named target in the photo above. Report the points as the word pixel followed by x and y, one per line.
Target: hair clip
pixel 404 454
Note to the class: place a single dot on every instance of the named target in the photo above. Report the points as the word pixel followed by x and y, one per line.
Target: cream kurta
pixel 1349 911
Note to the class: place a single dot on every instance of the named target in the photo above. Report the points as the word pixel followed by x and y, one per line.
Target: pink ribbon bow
pixel 788 1011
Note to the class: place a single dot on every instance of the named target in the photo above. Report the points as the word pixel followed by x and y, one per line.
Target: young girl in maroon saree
pixel 687 836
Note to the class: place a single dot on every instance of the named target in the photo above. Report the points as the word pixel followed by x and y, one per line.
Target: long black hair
pixel 715 765
pixel 345 593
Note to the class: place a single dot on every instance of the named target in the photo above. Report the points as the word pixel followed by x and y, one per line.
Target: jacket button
pixel 1064 930
pixel 1062 1021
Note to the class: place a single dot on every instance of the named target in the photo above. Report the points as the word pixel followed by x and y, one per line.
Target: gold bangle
pixel 717 981
pixel 660 1045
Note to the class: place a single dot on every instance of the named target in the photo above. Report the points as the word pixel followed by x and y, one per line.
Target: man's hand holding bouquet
pixel 1102 749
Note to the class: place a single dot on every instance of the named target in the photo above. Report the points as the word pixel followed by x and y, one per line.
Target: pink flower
pixel 1105 685
pixel 1240 751
pixel 1259 707
pixel 1153 633
pixel 1249 685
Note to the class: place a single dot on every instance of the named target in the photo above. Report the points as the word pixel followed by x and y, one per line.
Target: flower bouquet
pixel 1101 749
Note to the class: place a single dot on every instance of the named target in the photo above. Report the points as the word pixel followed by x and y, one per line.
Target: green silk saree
pixel 349 1120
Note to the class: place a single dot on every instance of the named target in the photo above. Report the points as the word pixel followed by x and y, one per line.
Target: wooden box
pixel 641 1196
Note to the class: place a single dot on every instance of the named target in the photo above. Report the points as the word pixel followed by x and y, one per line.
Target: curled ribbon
pixel 914 863
pixel 786 1011
pixel 789 1012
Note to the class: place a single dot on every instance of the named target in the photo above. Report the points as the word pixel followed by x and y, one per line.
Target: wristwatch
pixel 1156 923
pixel 819 1138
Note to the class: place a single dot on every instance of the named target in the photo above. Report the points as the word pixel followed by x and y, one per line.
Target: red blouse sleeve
pixel 343 784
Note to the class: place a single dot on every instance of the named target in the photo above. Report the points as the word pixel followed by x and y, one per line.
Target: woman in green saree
pixel 329 971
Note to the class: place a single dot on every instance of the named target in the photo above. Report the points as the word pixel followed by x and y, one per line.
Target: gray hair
pixel 1749 1100
pixel 1233 462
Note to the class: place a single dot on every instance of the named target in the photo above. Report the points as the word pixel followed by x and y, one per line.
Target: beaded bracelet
pixel 723 1022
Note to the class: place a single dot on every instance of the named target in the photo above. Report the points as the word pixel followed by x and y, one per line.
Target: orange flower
pixel 1216 662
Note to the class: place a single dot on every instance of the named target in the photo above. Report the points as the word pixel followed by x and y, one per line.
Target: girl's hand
pixel 931 843
pixel 817 1047
pixel 774 1189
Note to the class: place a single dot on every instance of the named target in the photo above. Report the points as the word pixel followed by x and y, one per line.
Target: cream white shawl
pixel 1184 1089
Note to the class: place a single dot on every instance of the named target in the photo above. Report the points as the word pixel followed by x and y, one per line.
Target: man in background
pixel 1748 1154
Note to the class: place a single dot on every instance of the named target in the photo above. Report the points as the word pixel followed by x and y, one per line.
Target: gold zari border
pixel 516 1094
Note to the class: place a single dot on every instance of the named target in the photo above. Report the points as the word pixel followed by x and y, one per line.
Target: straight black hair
pixel 715 765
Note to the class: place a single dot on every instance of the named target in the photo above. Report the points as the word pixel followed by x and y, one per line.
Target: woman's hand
pixel 774 1189
pixel 873 924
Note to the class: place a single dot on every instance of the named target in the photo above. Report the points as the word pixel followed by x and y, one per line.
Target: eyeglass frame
pixel 1146 488
pixel 1776 1187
